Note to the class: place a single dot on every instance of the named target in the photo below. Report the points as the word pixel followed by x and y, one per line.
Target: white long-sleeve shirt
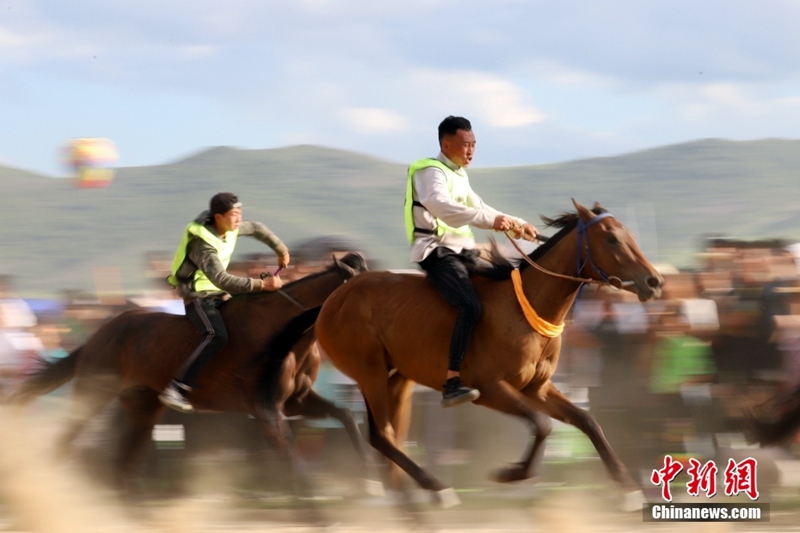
pixel 430 189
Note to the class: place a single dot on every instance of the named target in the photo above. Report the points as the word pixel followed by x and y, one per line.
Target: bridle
pixel 582 246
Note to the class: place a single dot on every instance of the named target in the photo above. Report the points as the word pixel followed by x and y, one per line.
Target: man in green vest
pixel 199 273
pixel 440 207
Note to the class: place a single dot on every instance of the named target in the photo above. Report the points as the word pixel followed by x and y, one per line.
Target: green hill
pixel 55 235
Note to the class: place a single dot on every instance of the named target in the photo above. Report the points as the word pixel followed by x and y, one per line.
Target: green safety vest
pixel 459 191
pixel 224 248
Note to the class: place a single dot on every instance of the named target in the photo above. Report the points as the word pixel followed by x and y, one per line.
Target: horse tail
pixel 279 349
pixel 46 377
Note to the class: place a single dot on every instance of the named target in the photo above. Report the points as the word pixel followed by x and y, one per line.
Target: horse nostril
pixel 654 282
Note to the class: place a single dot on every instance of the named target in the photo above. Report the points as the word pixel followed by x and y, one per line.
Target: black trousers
pixel 204 314
pixel 448 272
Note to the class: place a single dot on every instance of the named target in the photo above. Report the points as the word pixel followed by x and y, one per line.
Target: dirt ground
pixel 40 494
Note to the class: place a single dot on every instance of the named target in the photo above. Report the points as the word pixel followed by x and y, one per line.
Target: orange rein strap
pixel 540 325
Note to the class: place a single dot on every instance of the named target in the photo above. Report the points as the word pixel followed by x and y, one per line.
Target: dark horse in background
pixel 266 368
pixel 778 419
pixel 388 331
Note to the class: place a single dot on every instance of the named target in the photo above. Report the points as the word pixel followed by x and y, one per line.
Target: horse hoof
pixel 374 488
pixel 446 498
pixel 510 474
pixel 633 501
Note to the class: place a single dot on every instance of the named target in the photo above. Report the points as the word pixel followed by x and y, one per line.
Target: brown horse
pixel 266 368
pixel 388 331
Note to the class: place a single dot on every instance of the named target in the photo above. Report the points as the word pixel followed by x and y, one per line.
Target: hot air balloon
pixel 91 160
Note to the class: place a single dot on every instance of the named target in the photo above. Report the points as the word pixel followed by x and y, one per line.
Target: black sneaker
pixel 456 394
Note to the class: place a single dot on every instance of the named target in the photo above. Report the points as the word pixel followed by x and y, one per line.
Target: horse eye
pixel 612 240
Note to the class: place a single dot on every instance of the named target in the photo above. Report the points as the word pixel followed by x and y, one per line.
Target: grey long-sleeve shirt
pixel 203 256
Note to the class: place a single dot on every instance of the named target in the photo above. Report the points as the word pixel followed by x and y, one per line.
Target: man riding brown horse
pixel 387 332
pixel 440 207
pixel 199 273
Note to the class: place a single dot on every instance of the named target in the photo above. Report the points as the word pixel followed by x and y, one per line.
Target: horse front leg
pixel 502 397
pixel 314 406
pixel 553 402
pixel 559 407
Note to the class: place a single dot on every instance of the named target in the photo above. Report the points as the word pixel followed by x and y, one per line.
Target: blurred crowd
pixel 674 375
pixel 664 377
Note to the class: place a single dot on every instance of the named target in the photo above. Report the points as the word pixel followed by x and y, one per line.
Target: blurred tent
pixel 90 160
pixel 47 309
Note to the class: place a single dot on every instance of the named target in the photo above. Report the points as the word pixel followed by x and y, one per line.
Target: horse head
pixel 608 252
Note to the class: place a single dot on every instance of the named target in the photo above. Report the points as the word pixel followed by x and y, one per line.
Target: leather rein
pixel 283 293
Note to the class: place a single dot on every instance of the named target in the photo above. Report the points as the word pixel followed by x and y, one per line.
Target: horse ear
pixel 597 206
pixel 583 213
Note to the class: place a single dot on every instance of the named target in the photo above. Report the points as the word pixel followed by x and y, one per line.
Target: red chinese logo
pixel 702 478
pixel 739 477
pixel 665 475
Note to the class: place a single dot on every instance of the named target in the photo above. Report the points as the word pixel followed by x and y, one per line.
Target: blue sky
pixel 541 81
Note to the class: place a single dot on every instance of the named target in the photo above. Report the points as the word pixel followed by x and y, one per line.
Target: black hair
pixel 222 202
pixel 451 125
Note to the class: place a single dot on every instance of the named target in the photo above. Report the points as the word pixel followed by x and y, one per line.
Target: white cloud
pixel 366 120
pixel 198 51
pixel 10 39
pixel 725 94
pixel 491 98
pixel 702 102
pixel 551 71
pixel 502 104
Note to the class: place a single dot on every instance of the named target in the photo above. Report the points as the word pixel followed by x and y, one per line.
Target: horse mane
pixel 353 261
pixel 351 264
pixel 499 267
